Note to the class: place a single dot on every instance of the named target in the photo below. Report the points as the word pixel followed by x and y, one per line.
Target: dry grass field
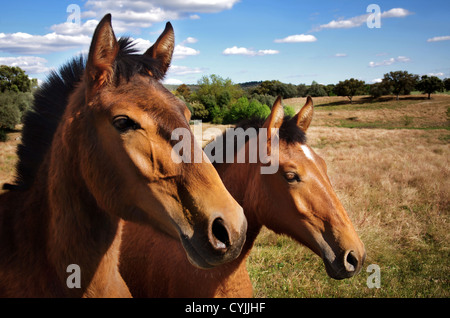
pixel 389 163
pixel 392 173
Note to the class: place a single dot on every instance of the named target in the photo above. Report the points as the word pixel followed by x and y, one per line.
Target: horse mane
pixel 288 132
pixel 50 102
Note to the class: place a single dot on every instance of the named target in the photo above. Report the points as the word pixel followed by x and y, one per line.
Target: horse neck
pixel 80 232
pixel 57 223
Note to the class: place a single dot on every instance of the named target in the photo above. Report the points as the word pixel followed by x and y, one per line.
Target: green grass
pixel 285 269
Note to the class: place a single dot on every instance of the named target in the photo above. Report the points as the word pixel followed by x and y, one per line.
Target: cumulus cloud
pixel 438 74
pixel 24 43
pixel 297 38
pixel 142 14
pixel 439 38
pixel 178 70
pixel 392 60
pixel 361 19
pixel 172 81
pixel 248 52
pixel 70 28
pixel 30 64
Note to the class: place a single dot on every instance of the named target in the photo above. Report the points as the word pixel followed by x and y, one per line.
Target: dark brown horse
pixel 298 200
pixel 96 150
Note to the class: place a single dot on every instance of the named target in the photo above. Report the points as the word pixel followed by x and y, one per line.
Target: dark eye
pixel 124 123
pixel 291 177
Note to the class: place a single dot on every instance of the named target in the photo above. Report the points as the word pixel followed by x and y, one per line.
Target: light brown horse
pixel 95 151
pixel 298 200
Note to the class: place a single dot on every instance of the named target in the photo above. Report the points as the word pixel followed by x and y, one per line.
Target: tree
pixel 217 93
pixel 400 82
pixel 429 85
pixel 13 78
pixel 316 90
pixel 183 90
pixel 350 88
pixel 377 90
pixel 302 90
pixel 9 111
pixel 447 84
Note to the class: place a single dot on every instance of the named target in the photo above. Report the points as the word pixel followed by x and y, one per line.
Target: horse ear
pixel 276 116
pixel 162 50
pixel 102 53
pixel 305 115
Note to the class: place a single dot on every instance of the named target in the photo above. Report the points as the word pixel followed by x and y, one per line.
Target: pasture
pixel 389 164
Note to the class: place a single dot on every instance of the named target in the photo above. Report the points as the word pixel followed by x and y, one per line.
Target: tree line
pixel 220 101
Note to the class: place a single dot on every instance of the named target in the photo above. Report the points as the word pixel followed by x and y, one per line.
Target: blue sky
pixel 246 40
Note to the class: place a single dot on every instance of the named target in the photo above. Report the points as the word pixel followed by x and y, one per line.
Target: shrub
pixel 199 111
pixel 289 111
pixel 256 109
pixel 243 109
pixel 10 114
pixel 264 99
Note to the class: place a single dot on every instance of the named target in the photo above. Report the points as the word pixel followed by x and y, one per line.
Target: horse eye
pixel 124 123
pixel 291 177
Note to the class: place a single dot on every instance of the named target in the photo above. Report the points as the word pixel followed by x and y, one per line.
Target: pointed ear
pixel 305 115
pixel 162 50
pixel 276 116
pixel 102 53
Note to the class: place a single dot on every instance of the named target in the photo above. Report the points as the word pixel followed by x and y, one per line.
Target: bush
pixel 264 99
pixel 243 109
pixel 289 111
pixel 199 111
pixel 258 110
pixel 11 105
pixel 217 115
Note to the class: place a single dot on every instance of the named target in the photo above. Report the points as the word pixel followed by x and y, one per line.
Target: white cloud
pixel 24 43
pixel 172 81
pixel 438 74
pixel 296 38
pixel 392 60
pixel 376 80
pixel 190 40
pixel 30 64
pixel 182 51
pixel 396 13
pixel 439 38
pixel 184 70
pixel 142 14
pixel 248 52
pixel 70 28
pixel 340 55
pixel 361 19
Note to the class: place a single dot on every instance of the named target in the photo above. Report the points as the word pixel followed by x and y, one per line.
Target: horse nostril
pixel 350 261
pixel 220 239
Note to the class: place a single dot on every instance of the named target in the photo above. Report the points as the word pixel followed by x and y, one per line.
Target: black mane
pixel 289 131
pixel 50 102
